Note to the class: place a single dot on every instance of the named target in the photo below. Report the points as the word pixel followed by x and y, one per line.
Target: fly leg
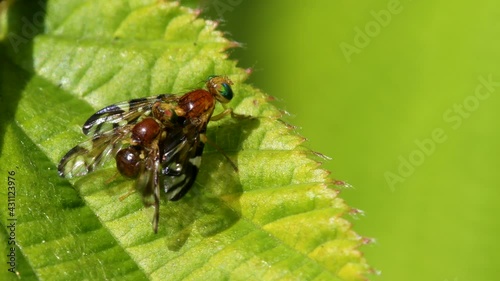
pixel 156 195
pixel 124 196
pixel 204 139
pixel 231 112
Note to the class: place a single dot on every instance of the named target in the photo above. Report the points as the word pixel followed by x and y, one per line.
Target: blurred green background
pixel 402 95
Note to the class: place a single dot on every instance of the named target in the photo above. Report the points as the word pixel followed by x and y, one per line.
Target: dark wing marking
pixel 89 155
pixel 122 113
pixel 181 159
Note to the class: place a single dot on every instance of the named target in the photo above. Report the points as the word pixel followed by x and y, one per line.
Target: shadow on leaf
pixel 212 205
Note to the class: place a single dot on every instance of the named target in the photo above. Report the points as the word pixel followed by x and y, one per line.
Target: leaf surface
pixel 277 218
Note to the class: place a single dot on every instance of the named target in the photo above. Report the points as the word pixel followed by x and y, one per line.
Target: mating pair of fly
pixel 158 141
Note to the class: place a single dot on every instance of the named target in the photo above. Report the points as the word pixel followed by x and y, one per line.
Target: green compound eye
pixel 220 88
pixel 226 91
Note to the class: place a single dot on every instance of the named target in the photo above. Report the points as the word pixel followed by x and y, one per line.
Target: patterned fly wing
pixel 111 128
pixel 91 154
pixel 120 114
pixel 180 160
pixel 148 183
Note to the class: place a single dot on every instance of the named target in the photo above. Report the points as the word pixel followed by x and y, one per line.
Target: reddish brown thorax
pixel 198 104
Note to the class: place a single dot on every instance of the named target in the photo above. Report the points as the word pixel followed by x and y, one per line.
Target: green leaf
pixel 279 217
